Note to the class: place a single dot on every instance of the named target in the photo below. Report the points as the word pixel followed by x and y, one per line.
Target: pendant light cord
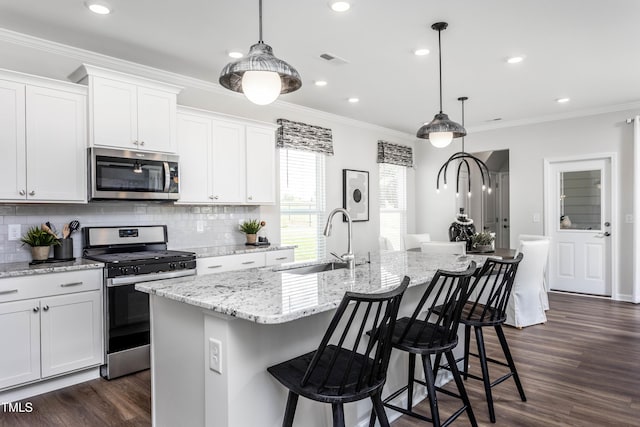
pixel 260 18
pixel 439 64
pixel 462 100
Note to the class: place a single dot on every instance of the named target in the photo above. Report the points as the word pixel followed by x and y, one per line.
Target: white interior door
pixel 580 225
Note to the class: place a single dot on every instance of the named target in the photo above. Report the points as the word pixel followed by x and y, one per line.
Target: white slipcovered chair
pixel 412 241
pixel 453 248
pixel 545 275
pixel 525 306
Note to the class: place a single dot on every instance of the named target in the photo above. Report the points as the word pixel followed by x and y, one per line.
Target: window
pixel 302 203
pixel 393 203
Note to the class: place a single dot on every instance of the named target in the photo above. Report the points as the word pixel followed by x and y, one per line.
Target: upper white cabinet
pixel 225 160
pixel 43 136
pixel 129 112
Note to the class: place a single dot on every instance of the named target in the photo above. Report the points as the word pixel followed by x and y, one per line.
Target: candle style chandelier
pixel 463 158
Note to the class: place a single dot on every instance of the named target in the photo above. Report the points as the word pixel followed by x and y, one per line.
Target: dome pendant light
pixel 440 131
pixel 462 158
pixel 260 75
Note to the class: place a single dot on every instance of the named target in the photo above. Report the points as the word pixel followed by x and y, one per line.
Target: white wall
pixel 528 147
pixel 355 143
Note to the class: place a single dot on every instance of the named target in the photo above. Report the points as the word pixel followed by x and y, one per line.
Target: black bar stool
pixel 432 330
pixel 341 370
pixel 492 289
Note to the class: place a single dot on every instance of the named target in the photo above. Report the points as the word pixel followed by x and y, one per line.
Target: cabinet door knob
pixel 141 142
pixel 211 197
pixel 45 308
pixel 136 143
pixel 22 192
pixel 32 193
pixel 36 309
pixel 216 197
pixel 250 197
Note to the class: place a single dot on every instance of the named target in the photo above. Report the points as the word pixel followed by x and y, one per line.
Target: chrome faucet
pixel 349 258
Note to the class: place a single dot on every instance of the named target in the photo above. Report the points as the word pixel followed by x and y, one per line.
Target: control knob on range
pixel 183 264
pixel 136 269
pixel 172 266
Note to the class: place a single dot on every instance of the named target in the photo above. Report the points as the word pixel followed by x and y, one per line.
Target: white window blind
pixel 393 203
pixel 302 202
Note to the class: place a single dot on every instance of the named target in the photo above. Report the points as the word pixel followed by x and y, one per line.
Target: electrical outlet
pixel 628 218
pixel 215 355
pixel 14 232
pixel 536 217
pixel 200 226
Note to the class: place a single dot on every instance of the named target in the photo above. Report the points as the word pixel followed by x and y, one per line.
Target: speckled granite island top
pixel 18 269
pixel 213 251
pixel 264 295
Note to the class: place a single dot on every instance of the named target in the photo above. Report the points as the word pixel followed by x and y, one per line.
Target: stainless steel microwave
pixel 132 175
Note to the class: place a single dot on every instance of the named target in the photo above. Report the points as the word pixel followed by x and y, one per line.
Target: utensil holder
pixel 64 250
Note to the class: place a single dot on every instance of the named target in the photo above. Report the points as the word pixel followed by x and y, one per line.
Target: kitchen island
pixel 214 336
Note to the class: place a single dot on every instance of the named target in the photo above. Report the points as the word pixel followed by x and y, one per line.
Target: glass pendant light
pixel 441 130
pixel 260 75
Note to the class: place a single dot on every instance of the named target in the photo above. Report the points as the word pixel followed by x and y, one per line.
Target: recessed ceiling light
pixel 235 54
pixel 98 7
pixel 353 100
pixel 421 52
pixel 515 59
pixel 320 83
pixel 563 100
pixel 339 6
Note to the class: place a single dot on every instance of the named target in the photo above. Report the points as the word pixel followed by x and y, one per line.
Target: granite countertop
pixel 17 269
pixel 213 251
pixel 274 295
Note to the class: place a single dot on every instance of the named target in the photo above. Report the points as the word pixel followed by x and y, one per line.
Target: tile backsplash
pixel 188 226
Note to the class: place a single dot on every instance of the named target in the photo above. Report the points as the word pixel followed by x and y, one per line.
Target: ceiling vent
pixel 333 59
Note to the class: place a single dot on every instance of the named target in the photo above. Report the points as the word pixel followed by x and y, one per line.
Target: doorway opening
pixel 489 210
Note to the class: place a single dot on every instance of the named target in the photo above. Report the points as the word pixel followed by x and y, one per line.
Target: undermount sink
pixel 316 268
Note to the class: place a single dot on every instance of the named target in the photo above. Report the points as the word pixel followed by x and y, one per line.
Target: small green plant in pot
pixel 40 242
pixel 251 227
pixel 482 241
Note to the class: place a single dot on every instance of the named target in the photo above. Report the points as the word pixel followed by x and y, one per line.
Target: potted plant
pixel 251 227
pixel 482 242
pixel 40 242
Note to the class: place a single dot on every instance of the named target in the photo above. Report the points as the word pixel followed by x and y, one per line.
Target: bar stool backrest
pixel 491 289
pixel 345 361
pixel 434 322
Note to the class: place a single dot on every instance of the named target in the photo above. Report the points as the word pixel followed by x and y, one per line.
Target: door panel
pixel 20 332
pixel 580 202
pixel 12 139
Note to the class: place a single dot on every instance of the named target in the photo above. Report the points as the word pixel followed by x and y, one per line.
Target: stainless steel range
pixel 131 255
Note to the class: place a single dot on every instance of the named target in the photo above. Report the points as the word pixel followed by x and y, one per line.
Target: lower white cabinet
pixel 57 332
pixel 219 264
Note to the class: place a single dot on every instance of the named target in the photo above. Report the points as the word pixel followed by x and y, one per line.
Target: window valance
pixel 395 154
pixel 301 136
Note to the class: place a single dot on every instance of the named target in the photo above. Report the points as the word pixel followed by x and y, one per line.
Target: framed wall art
pixel 355 194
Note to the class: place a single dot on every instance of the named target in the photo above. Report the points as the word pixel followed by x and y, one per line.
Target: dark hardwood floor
pixel 580 369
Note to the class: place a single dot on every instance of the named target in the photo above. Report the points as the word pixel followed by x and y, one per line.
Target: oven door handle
pixel 128 280
pixel 167 176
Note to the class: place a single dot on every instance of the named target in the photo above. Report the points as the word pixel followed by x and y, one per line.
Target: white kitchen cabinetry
pixel 54 324
pixel 43 134
pixel 129 112
pixel 219 264
pixel 239 167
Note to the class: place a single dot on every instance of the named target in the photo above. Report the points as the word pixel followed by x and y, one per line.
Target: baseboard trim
pixel 46 386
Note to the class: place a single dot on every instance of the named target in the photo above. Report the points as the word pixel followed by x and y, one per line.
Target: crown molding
pixel 124 66
pixel 556 117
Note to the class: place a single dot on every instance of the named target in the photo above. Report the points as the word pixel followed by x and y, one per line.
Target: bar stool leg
pixel 410 380
pixel 485 372
pixel 431 390
pixel 378 409
pixel 461 390
pixel 467 341
pixel 338 414
pixel 290 411
pixel 512 365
